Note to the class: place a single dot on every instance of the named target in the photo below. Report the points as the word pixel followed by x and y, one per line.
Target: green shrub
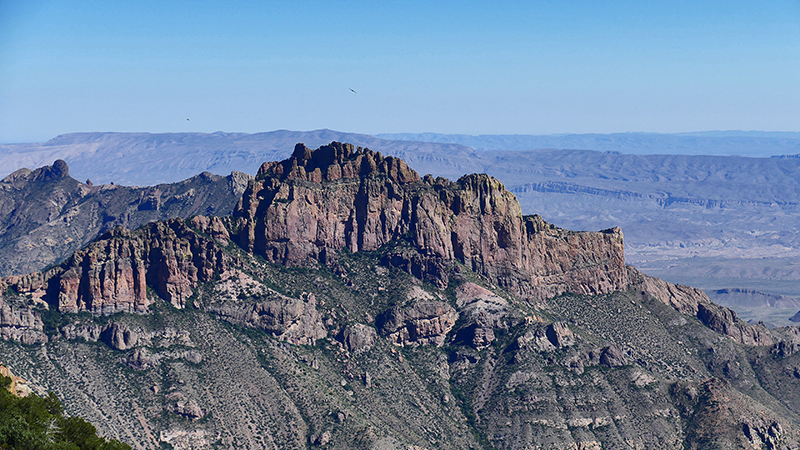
pixel 36 423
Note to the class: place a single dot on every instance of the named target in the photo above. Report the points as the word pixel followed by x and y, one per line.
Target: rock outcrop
pixel 724 418
pixel 315 203
pixel 359 338
pixel 112 274
pixel 483 310
pixel 547 338
pixel 18 387
pixel 613 356
pixel 21 323
pixel 213 227
pixel 119 337
pixel 418 323
pixel 288 319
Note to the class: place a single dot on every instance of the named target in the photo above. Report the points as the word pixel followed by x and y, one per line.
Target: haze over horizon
pixel 458 68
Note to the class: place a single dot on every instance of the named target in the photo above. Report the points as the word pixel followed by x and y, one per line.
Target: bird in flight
pixel 187 120
pixel 353 91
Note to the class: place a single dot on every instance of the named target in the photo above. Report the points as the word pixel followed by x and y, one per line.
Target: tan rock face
pixel 421 322
pixel 301 209
pixel 111 274
pixel 18 387
pixel 20 323
pixel 289 319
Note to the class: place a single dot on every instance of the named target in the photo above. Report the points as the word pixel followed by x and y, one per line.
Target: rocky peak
pixel 307 208
pixel 299 211
pixel 58 170
pixel 336 161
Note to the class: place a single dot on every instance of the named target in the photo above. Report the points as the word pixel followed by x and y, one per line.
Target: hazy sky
pixel 532 67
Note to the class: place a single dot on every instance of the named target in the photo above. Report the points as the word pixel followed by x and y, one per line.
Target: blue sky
pixel 513 67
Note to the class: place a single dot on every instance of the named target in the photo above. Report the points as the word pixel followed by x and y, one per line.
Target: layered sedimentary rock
pixel 338 197
pixel 422 322
pixel 112 274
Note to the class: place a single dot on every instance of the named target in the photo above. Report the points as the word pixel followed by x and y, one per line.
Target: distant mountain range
pixel 146 159
pixel 726 143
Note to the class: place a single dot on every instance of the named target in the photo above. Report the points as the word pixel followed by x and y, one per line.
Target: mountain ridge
pixel 728 143
pixel 739 211
pixel 331 324
pixel 45 214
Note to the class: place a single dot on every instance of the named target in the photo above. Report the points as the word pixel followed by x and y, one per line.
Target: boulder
pixel 417 323
pixel 359 338
pixel 613 356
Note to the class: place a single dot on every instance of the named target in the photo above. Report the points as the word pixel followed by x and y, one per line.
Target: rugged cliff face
pixel 112 274
pixel 20 323
pixel 307 208
pixel 315 203
pixel 46 215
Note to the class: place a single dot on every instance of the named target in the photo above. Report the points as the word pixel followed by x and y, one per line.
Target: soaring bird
pixel 353 91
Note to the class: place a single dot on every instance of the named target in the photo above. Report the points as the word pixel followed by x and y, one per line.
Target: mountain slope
pixel 341 307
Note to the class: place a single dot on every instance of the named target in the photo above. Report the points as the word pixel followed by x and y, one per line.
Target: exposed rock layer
pixel 293 320
pixel 20 323
pixel 112 274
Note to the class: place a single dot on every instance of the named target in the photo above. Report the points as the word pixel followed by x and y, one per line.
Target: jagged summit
pixel 335 161
pixel 58 170
pixel 298 212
